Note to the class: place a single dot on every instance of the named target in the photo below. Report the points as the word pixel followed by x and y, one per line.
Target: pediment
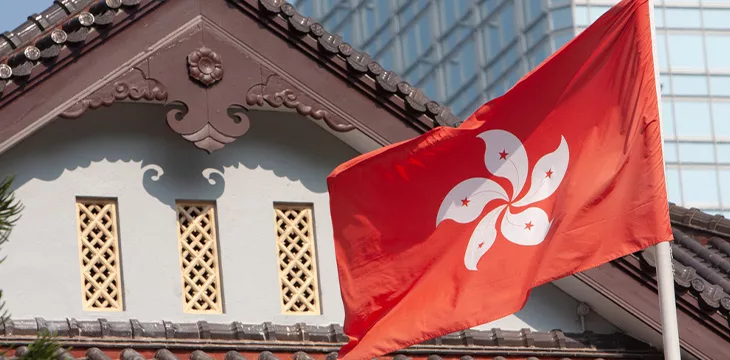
pixel 214 80
pixel 211 62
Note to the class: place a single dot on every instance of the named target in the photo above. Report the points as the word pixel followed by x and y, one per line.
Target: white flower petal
pixel 525 228
pixel 482 238
pixel 506 157
pixel 466 201
pixel 547 175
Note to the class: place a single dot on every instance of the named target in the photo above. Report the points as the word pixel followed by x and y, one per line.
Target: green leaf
pixel 9 209
pixel 45 347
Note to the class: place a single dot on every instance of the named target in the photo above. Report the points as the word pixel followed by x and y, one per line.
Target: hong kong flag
pixel 452 229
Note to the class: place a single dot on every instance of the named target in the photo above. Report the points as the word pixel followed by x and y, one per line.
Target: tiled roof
pixel 43 36
pixel 70 22
pixel 165 354
pixel 701 254
pixel 360 63
pixel 268 339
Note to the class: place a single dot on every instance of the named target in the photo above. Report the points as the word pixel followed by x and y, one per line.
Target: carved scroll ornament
pixel 276 92
pixel 133 85
pixel 207 109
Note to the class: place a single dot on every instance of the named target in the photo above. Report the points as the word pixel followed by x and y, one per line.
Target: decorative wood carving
pixel 206 66
pixel 208 116
pixel 276 92
pixel 133 85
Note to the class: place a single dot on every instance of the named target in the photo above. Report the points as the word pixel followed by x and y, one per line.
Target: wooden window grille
pixel 199 258
pixel 297 264
pixel 99 254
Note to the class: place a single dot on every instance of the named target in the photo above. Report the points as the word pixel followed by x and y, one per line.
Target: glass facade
pixel 466 52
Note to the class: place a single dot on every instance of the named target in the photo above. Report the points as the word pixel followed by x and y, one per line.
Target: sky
pixel 15 12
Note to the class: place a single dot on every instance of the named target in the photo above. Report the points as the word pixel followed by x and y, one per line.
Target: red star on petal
pixel 503 154
pixel 529 225
pixel 549 173
pixel 465 202
pixel 481 244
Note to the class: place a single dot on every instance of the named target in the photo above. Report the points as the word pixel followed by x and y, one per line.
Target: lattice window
pixel 199 258
pixel 99 254
pixel 297 265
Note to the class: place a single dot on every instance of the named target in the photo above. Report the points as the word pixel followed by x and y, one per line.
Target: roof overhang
pixel 215 60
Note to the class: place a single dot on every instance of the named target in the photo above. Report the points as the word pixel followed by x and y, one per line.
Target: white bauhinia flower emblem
pixel 505 157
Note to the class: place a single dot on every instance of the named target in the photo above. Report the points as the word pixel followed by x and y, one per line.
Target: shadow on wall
pixel 289 145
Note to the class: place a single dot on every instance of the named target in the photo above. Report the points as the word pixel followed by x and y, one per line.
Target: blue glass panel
pixel 581 15
pixel 495 45
pixel 681 2
pixel 670 152
pixel 661 48
pixel 683 18
pixel 659 17
pixel 429 87
pixel 499 89
pixel 540 53
pixel 723 156
pixel 716 18
pixel 718 51
pixel 449 16
pixel 725 188
pixel 689 85
pixel 667 119
pixel 559 2
pixel 721 117
pixel 408 14
pixel 537 32
pixel 533 9
pixel 720 85
pixel 490 5
pixel 696 153
pixel 666 85
pixel 686 51
pixel 459 104
pixel 562 18
pixel 513 76
pixel 597 11
pixel 507 23
pixel 674 190
pixel 692 118
pixel 699 187
pixel 561 38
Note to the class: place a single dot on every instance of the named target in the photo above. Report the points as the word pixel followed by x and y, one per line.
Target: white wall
pixel 115 152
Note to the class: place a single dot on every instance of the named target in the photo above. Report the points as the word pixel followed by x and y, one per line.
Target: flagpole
pixel 665 270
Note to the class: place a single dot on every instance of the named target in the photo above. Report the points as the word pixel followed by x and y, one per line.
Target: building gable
pixel 214 62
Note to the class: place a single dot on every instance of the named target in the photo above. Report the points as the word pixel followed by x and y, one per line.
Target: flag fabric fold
pixel 563 173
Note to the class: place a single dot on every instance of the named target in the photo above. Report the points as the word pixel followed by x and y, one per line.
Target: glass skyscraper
pixel 466 52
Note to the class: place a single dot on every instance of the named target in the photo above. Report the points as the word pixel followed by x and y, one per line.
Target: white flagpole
pixel 665 270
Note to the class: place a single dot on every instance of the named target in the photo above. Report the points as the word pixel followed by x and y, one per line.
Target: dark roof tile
pixel 701 256
pixel 42 35
pixel 87 331
pixel 165 354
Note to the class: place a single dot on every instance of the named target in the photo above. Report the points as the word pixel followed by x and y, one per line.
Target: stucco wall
pixel 116 152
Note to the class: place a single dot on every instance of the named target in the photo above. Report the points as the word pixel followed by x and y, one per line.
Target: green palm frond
pixel 45 347
pixel 9 209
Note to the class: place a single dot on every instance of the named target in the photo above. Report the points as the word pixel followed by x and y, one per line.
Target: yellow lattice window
pixel 297 265
pixel 199 257
pixel 99 254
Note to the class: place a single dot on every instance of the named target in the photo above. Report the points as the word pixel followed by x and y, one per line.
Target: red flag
pixel 563 173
